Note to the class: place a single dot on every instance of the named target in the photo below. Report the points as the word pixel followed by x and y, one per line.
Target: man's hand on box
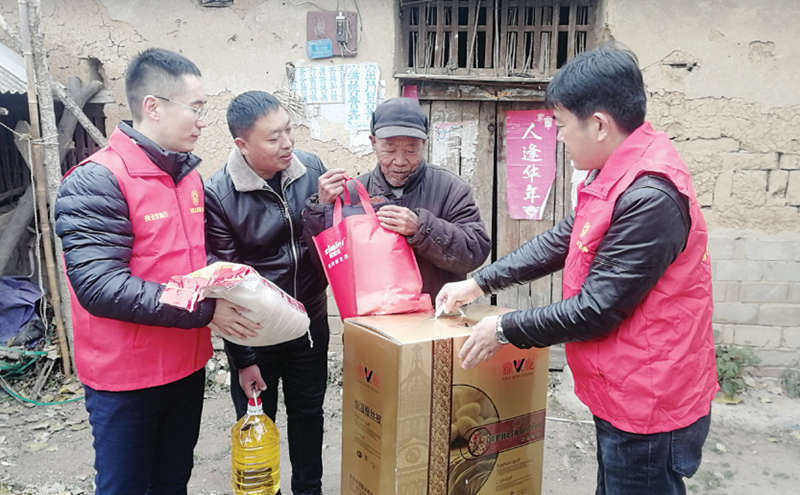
pixel 331 185
pixel 251 382
pixel 398 219
pixel 228 321
pixel 456 294
pixel 481 345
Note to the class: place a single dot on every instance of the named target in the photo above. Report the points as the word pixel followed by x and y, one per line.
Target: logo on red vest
pixel 584 231
pixel 156 216
pixel 196 202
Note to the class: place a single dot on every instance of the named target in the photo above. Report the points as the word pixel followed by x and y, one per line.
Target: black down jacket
pixel 93 222
pixel 649 229
pixel 249 223
pixel 452 239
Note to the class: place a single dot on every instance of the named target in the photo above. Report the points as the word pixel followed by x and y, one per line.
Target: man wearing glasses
pixel 131 216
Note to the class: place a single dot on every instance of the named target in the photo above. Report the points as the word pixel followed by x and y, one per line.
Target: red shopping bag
pixel 371 270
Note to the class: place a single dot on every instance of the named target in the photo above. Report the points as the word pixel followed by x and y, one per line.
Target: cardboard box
pixel 415 422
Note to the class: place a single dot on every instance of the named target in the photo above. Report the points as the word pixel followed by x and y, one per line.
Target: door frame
pixel 488 104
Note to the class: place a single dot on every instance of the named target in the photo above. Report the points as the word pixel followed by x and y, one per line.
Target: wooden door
pixel 462 138
pixel 513 233
pixel 468 138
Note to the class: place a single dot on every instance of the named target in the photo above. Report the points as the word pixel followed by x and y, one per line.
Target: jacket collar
pixel 621 161
pixel 246 180
pixel 174 164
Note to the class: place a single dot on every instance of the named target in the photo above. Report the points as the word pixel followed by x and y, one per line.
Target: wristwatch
pixel 498 331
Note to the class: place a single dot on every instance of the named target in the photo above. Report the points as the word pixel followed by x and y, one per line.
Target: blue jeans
pixel 304 372
pixel 144 439
pixel 633 464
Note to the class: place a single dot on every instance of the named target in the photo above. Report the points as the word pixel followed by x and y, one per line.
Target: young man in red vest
pixel 637 307
pixel 130 217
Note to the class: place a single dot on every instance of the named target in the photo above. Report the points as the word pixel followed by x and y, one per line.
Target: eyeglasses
pixel 199 113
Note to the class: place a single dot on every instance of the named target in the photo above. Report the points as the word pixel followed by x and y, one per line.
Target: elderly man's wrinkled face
pixel 399 157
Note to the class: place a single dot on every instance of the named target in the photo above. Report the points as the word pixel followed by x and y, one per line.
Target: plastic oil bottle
pixel 255 450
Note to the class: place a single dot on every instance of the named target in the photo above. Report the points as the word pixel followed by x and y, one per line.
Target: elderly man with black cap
pixel 431 206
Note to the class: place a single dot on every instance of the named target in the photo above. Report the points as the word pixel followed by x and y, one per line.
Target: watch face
pixel 498 332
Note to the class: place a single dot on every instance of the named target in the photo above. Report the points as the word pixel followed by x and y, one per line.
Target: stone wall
pixel 721 81
pixel 757 295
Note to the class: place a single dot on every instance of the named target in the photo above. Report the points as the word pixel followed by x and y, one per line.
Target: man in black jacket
pixel 431 206
pixel 254 217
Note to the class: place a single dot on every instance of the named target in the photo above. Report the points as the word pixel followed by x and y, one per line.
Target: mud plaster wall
pixel 722 79
pixel 238 48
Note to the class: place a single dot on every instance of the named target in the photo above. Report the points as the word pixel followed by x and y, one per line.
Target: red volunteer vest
pixel 656 372
pixel 168 225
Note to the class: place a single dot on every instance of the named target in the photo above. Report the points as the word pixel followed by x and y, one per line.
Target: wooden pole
pixel 66 126
pixel 77 111
pixel 47 111
pixel 40 177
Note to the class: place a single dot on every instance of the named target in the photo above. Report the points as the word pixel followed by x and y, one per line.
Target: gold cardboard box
pixel 414 422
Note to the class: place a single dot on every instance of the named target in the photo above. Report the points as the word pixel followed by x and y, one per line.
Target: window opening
pixel 501 38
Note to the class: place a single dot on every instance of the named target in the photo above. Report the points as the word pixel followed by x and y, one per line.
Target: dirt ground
pixel 753 447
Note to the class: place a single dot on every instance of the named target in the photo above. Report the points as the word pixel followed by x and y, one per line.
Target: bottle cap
pixel 254 407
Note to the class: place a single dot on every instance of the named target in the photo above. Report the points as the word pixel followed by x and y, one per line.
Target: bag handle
pixel 363 195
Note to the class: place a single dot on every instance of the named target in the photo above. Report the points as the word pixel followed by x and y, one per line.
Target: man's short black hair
pixel 156 72
pixel 247 108
pixel 606 79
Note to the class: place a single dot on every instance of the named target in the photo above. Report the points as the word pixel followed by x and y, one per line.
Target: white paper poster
pixel 320 83
pixel 361 95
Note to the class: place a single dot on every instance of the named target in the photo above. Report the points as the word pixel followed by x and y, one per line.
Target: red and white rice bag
pixel 282 317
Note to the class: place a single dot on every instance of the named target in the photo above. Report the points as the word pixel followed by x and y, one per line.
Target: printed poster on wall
pixel 530 162
pixel 360 95
pixel 320 83
pixel 354 85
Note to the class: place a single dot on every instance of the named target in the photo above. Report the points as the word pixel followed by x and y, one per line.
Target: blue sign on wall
pixel 319 48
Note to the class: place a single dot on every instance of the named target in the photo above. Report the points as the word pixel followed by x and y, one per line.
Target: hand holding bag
pixel 282 317
pixel 371 270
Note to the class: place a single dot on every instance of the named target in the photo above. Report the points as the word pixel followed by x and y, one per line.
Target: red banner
pixel 530 162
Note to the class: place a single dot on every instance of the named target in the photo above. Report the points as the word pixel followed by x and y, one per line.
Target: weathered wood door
pixel 468 137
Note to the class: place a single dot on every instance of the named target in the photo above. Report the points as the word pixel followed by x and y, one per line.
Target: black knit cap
pixel 399 117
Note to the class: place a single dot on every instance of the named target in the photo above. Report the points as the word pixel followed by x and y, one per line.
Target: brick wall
pixel 757 295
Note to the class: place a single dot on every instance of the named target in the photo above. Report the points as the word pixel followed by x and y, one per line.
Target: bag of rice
pixel 282 317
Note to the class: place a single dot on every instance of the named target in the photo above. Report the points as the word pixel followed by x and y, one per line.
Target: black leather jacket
pixel 249 223
pixel 452 239
pixel 649 229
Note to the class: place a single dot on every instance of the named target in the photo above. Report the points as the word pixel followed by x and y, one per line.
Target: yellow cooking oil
pixel 255 453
